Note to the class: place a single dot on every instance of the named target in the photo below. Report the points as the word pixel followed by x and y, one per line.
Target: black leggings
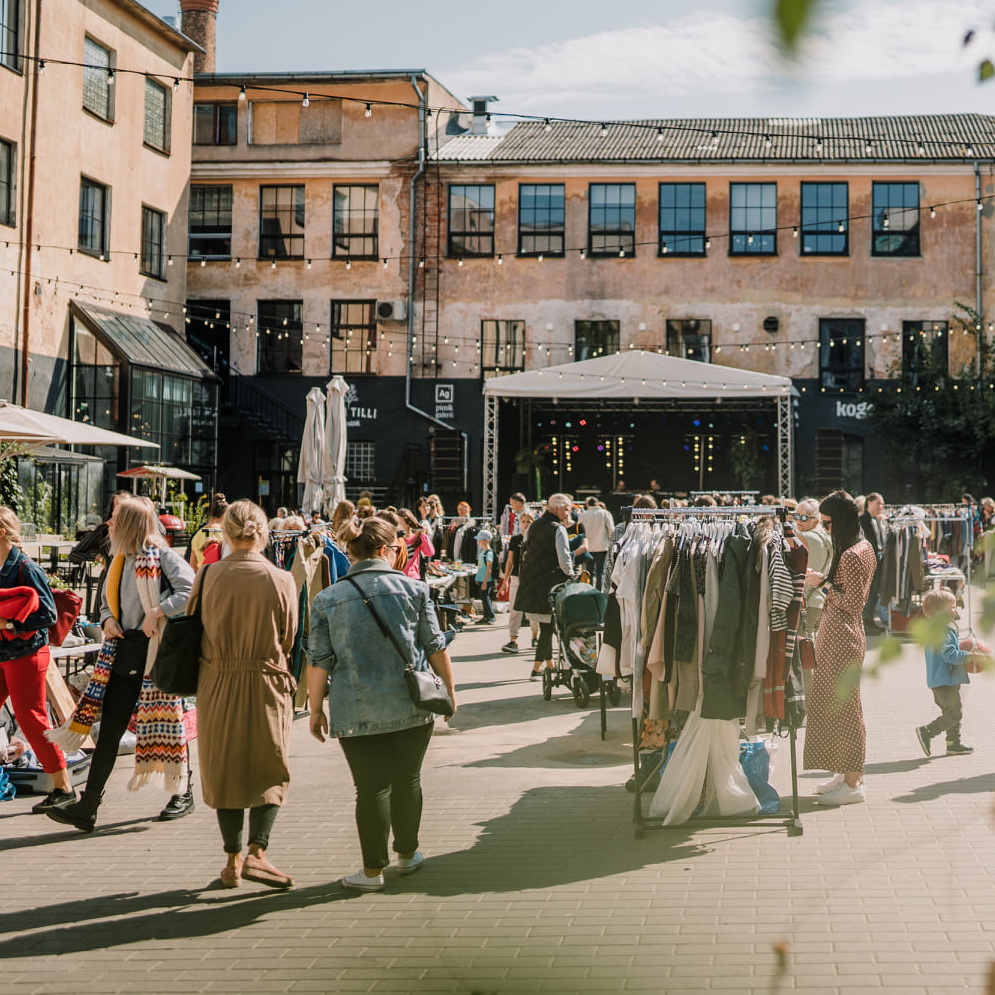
pixel 544 644
pixel 120 698
pixel 261 819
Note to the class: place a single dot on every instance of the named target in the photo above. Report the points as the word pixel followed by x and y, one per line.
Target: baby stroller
pixel 578 616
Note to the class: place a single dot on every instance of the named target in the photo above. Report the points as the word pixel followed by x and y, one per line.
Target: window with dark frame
pixel 361 462
pixel 841 354
pixel 281 222
pixel 97 97
pixel 541 219
pixel 94 218
pixel 353 339
pixel 10 34
pixel 8 174
pixel 690 338
pixel 895 220
pixel 502 347
pixel 825 209
pixel 215 123
pixel 210 222
pixel 752 219
pixel 682 219
pixel 153 256
pixel 279 337
pixel 355 222
pixel 611 219
pixel 156 132
pixel 925 348
pixel 471 220
pixel 595 338
pixel 209 331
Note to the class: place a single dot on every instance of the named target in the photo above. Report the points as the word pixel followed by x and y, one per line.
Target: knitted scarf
pixel 161 751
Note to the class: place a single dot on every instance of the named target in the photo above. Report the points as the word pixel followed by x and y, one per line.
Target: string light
pixel 176 85
pixel 110 77
pixel 41 67
pixel 241 92
pixel 368 111
pixel 306 102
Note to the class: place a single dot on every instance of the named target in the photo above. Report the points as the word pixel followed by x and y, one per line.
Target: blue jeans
pixel 485 598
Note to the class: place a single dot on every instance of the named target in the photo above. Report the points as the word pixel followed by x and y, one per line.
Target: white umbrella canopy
pixel 22 428
pixel 312 450
pixel 333 454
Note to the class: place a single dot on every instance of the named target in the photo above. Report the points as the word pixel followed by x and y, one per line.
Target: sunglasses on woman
pixel 804 518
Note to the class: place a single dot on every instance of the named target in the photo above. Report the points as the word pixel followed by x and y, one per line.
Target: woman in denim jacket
pixel 383 735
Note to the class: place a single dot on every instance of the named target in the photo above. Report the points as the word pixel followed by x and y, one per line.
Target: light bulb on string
pixel 41 67
pixel 176 85
pixel 241 92
pixel 110 77
pixel 659 134
pixel 368 111
pixel 306 102
pixel 932 212
pixel 547 125
pixel 203 262
pixel 604 131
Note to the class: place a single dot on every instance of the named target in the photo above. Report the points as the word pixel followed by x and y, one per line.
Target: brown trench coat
pixel 245 694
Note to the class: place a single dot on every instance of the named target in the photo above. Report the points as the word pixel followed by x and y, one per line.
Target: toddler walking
pixel 485 575
pixel 946 670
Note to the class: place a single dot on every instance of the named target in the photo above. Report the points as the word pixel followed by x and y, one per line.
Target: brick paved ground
pixel 534 881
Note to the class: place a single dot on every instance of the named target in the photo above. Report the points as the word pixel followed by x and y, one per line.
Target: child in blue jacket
pixel 946 670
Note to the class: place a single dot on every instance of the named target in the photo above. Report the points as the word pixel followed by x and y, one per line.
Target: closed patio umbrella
pixel 312 450
pixel 333 457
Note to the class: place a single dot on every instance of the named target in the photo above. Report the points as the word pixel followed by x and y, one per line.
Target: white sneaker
pixel 408 865
pixel 842 794
pixel 821 789
pixel 360 882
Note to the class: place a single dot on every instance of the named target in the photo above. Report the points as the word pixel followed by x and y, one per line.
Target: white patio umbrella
pixel 25 429
pixel 333 454
pixel 312 450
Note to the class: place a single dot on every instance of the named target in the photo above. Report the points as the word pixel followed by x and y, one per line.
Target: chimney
pixel 199 22
pixel 481 118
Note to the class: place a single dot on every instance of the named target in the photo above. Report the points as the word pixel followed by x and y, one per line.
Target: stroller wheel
pixel 614 693
pixel 581 695
pixel 547 685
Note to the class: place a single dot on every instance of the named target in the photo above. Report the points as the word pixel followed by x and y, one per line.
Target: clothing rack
pixel 793 825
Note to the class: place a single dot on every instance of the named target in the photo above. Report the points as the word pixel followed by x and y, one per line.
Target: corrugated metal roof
pixel 142 342
pixel 948 137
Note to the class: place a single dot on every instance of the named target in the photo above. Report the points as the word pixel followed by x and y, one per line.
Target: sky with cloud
pixel 644 58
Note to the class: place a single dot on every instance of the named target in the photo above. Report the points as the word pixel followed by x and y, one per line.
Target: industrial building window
pixel 8 165
pixel 471 220
pixel 94 218
pixel 682 219
pixel 690 338
pixel 281 222
pixel 502 347
pixel 97 87
pixel 355 222
pixel 10 34
pixel 611 219
pixel 825 219
pixel 752 219
pixel 210 222
pixel 156 115
pixel 279 337
pixel 925 347
pixel 541 222
pixel 153 261
pixel 354 337
pixel 215 123
pixel 841 354
pixel 360 462
pixel 595 338
pixel 895 219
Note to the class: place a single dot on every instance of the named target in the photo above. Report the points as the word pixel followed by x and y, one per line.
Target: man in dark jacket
pixel 874 533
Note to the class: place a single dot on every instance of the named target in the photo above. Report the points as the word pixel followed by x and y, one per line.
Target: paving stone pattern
pixel 534 881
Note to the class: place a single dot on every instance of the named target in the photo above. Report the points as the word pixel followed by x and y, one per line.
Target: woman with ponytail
pixel 835 737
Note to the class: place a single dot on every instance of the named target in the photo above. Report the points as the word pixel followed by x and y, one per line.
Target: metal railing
pixel 276 418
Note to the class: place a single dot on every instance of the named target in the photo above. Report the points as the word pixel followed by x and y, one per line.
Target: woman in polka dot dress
pixel 834 730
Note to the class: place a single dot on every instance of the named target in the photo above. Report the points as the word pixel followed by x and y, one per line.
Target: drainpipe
pixel 422 143
pixel 980 330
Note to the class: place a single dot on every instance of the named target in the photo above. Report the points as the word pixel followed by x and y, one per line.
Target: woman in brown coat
pixel 245 695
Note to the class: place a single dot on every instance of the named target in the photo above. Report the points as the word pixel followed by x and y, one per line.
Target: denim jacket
pixel 20 571
pixel 367 693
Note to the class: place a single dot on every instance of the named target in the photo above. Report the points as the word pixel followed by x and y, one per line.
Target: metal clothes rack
pixel 793 825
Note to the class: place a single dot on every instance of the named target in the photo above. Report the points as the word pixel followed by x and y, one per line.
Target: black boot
pixel 81 814
pixel 179 805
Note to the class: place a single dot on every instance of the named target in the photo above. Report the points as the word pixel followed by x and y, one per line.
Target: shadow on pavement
pixel 896 766
pixel 59 835
pixel 981 784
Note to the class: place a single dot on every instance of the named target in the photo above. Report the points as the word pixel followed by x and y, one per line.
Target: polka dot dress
pixel 835 739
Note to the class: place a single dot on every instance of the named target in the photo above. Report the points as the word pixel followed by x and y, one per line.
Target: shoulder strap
pixel 380 622
pixel 201 576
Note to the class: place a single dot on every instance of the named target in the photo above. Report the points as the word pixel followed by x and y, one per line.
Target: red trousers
pixel 23 680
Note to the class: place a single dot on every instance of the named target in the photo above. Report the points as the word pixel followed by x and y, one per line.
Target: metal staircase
pixel 277 421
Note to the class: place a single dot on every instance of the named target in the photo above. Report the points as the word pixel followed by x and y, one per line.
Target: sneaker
pixel 827 786
pixel 485 621
pixel 536 675
pixel 511 647
pixel 360 882
pixel 922 734
pixel 843 794
pixel 958 749
pixel 408 865
pixel 54 799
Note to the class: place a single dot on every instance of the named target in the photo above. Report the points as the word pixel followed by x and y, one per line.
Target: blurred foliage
pixel 792 18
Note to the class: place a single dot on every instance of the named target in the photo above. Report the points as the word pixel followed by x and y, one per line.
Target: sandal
pixel 259 869
pixel 231 876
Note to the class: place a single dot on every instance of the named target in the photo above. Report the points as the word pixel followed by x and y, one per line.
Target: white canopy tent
pixel 643 375
pixel 312 450
pixel 333 454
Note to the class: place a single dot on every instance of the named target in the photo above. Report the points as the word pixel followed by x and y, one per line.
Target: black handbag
pixel 427 690
pixel 130 653
pixel 177 663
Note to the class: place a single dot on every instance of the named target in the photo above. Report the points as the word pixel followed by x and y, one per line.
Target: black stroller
pixel 578 612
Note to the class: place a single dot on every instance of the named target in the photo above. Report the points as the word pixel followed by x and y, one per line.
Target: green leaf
pixel 986 70
pixel 792 16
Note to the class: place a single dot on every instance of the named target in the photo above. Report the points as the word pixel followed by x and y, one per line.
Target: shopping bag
pixel 755 761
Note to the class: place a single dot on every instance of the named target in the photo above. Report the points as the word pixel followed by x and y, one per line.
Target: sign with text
pixel 445 401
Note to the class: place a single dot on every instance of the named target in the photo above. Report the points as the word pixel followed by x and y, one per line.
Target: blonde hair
pixel 245 520
pixel 363 539
pixel 11 524
pixel 436 502
pixel 934 602
pixel 135 526
pixel 294 523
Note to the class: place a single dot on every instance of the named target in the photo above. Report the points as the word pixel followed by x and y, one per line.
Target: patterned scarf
pixel 161 751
